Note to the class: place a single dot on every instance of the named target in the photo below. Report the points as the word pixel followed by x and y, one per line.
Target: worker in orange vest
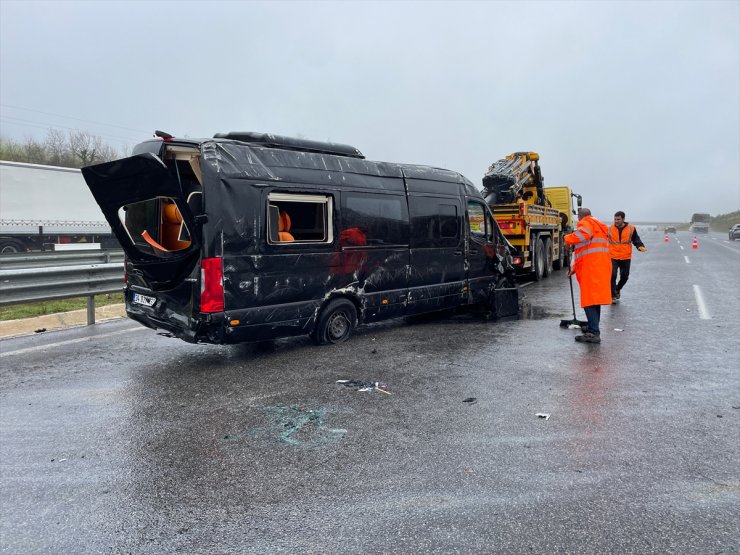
pixel 592 267
pixel 622 236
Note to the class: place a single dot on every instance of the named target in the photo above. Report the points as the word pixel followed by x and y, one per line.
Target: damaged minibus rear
pixel 248 236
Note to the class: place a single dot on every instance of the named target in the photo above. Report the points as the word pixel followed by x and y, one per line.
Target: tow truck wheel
pixel 335 322
pixel 539 259
pixel 547 248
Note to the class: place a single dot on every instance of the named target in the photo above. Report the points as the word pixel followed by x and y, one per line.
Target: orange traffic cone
pixel 695 244
pixel 666 238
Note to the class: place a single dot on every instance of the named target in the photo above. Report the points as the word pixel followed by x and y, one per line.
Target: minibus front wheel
pixel 335 322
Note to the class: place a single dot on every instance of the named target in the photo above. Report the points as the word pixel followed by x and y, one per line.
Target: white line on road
pixel 686 258
pixel 681 247
pixel 68 342
pixel 703 312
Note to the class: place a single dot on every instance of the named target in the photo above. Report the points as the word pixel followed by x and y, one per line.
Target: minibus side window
pixel 380 219
pixel 434 222
pixel 299 218
pixel 477 220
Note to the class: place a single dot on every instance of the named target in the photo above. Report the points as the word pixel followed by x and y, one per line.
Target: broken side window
pixel 299 218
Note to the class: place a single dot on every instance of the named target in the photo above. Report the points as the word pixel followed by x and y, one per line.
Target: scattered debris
pixel 545 415
pixel 471 400
pixel 40 330
pixel 618 329
pixel 298 426
pixel 365 387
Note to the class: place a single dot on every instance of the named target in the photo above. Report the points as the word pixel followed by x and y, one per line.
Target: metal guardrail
pixel 26 278
pixel 49 259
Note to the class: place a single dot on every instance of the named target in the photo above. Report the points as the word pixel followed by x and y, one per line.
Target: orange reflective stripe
pixel 588 251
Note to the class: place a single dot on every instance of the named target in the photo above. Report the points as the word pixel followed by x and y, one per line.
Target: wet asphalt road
pixel 117 440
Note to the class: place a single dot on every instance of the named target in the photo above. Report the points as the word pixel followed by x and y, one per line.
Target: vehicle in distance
pixel 700 223
pixel 670 229
pixel 250 236
pixel 734 232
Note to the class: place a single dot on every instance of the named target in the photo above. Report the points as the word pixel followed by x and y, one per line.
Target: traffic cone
pixel 694 244
pixel 666 238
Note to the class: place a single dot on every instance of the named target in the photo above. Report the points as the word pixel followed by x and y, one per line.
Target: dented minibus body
pixel 246 237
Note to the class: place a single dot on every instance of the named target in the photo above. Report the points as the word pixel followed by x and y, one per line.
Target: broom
pixel 575 322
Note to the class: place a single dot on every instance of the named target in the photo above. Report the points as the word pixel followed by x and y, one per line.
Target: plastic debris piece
pixel 62 460
pixel 545 415
pixel 360 385
pixel 618 329
pixel 471 400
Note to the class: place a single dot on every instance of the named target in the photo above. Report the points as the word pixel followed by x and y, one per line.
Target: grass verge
pixel 29 310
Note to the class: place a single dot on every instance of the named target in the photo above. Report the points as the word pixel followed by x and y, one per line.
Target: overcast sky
pixel 635 105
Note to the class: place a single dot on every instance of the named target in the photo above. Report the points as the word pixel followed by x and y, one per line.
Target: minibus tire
pixel 335 322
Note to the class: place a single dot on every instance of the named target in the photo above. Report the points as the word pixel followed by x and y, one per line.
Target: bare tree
pixel 11 150
pixel 57 148
pixel 84 146
pixel 73 150
pixel 35 151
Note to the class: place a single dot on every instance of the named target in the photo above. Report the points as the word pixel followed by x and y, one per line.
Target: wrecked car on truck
pixel 249 236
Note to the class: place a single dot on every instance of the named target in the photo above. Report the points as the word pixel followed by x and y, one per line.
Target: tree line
pixel 723 222
pixel 73 149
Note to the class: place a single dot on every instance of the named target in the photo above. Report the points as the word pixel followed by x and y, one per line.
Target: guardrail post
pixel 90 310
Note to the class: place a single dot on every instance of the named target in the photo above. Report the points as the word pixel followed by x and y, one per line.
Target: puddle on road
pixel 533 312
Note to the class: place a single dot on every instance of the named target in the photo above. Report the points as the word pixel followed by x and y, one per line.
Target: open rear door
pixel 148 210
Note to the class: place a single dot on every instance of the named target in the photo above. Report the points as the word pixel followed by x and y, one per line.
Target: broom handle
pixel 572 300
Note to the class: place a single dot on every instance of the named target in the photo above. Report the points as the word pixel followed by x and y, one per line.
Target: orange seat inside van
pixel 284 227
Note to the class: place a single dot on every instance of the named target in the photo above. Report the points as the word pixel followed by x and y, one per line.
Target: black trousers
pixel 623 267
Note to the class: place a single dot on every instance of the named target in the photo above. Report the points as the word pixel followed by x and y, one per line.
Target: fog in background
pixel 635 105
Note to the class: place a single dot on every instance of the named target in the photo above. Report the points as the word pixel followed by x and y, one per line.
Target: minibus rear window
pixel 155 226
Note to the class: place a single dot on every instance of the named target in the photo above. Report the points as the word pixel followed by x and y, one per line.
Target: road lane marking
pixel 686 258
pixel 68 342
pixel 681 247
pixel 703 312
pixel 728 247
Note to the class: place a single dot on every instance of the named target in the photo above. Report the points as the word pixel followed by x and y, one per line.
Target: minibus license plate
pixel 143 299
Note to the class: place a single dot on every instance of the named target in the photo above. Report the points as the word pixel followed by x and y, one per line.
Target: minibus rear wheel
pixel 335 322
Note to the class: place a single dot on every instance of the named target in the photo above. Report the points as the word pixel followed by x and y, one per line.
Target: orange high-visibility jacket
pixel 591 261
pixel 620 241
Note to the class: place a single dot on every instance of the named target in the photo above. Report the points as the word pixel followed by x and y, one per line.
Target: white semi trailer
pixel 44 207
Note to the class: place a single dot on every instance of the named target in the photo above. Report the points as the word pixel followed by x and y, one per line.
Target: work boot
pixel 615 300
pixel 588 337
pixel 618 296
